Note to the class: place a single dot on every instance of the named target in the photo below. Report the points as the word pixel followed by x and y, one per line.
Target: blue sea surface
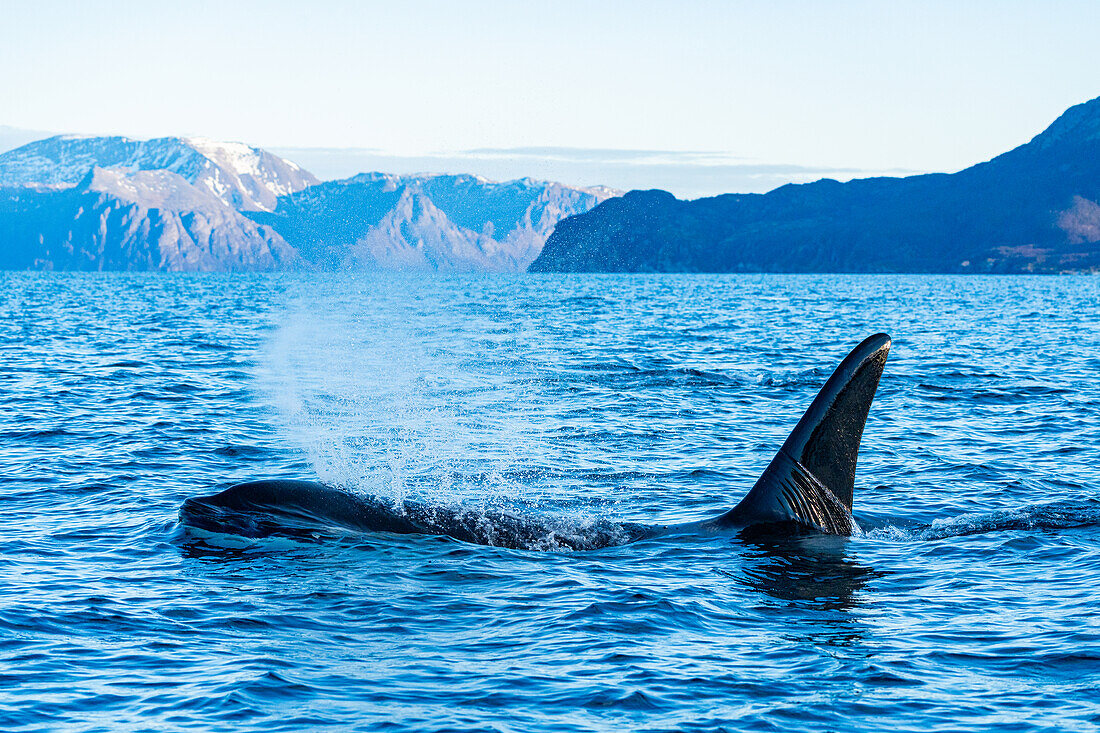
pixel 970 600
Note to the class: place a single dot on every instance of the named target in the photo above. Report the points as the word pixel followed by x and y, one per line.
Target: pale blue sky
pixel 869 85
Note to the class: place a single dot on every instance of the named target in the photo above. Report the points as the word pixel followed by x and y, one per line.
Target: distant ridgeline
pixel 1033 209
pixel 188 204
pixel 111 203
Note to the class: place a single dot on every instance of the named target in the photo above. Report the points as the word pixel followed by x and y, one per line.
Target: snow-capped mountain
pixel 119 219
pixel 78 203
pixel 426 222
pixel 243 177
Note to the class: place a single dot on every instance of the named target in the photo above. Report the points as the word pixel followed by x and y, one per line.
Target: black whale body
pixel 809 483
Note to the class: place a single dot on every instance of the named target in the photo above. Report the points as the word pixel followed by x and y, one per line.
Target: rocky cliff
pixel 117 219
pixel 448 223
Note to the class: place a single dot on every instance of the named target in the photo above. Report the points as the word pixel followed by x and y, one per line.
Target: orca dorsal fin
pixel 811 478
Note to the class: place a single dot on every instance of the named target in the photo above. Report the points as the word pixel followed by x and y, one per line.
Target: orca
pixel 808 485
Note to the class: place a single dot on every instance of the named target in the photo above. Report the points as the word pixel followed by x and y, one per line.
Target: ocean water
pixel 969 600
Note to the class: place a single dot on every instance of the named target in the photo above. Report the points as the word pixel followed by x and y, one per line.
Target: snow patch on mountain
pixel 86 202
pixel 241 176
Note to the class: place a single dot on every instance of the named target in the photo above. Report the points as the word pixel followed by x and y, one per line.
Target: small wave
pixel 607 366
pixel 36 434
pixel 126 364
pixel 144 394
pixel 708 376
pixel 241 451
pixel 182 388
pixel 957 373
pixel 616 699
pixel 1010 395
pixel 630 376
pixel 808 378
pixel 1049 517
pixel 200 345
pixel 583 300
pixel 1060 515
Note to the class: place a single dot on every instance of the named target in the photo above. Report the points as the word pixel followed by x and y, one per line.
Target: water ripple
pixel 967 602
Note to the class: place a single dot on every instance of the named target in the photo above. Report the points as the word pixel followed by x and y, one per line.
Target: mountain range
pixel 241 176
pixel 113 203
pixel 117 219
pixel 426 222
pixel 1033 209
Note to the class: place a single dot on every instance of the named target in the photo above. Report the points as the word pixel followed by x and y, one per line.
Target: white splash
pixel 380 404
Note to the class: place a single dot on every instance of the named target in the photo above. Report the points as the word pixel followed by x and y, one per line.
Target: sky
pixel 803 87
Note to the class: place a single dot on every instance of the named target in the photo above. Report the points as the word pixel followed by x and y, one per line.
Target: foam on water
pixel 1052 517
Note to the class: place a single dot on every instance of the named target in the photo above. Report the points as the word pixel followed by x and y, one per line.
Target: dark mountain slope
pixel 1033 209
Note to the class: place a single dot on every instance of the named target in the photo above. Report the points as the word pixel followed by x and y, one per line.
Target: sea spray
pixel 380 401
